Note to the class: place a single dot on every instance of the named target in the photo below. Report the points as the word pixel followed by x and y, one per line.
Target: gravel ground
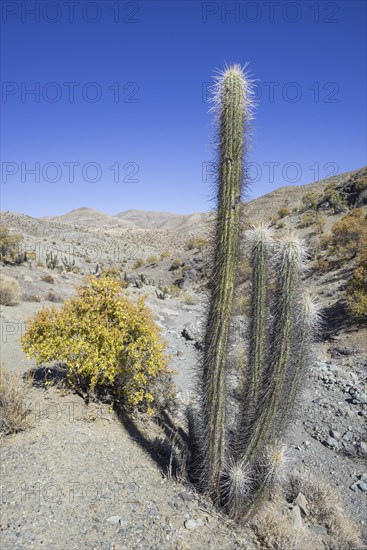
pixel 81 478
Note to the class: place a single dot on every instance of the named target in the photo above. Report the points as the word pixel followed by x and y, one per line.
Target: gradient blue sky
pixel 313 53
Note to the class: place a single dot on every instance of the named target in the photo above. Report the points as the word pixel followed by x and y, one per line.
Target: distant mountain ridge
pixel 129 219
pixel 261 208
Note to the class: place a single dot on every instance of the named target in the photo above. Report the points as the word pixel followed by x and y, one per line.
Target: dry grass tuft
pixel 14 412
pixel 188 299
pixel 274 529
pixel 274 524
pixel 9 291
pixel 47 279
pixel 326 508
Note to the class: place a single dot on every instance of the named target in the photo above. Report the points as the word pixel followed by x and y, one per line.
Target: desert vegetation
pixel 104 340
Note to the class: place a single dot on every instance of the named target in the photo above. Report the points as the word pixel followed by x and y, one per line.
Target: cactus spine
pixel 232 101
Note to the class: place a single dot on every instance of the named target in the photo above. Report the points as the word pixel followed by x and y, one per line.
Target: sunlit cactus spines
pixel 232 102
pixel 235 460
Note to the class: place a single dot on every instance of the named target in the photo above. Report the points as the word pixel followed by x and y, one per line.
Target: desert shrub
pixel 174 291
pixel 306 220
pixel 9 291
pixel 283 212
pixel 326 508
pixel 31 255
pixel 310 199
pixel 348 235
pixel 357 287
pixel 111 273
pixel 152 259
pixel 40 264
pixel 188 299
pixel 106 342
pixel 9 242
pixel 53 297
pixel 198 243
pixel 319 223
pixel 321 264
pixel 139 263
pixel 334 199
pixel 47 279
pixel 280 224
pixel 31 298
pixel 165 254
pixel 361 184
pixel 274 529
pixel 14 413
pixel 176 263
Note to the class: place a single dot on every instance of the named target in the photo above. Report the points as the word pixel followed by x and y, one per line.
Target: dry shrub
pixel 9 291
pixel 274 529
pixel 357 287
pixel 53 297
pixel 31 298
pixel 348 235
pixel 13 410
pixel 326 508
pixel 283 212
pixel 151 260
pixel 188 299
pixel 47 279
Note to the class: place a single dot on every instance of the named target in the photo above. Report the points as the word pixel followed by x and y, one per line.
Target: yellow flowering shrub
pixel 104 339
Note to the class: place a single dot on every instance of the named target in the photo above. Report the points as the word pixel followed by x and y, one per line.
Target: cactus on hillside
pixel 68 264
pixel 52 260
pixel 235 462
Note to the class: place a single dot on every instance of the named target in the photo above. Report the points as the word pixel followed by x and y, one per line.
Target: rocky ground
pixel 85 477
pixel 82 477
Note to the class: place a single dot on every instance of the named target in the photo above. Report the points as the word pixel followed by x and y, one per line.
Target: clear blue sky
pixel 149 65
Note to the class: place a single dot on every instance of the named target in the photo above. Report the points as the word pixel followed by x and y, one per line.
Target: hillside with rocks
pixel 87 476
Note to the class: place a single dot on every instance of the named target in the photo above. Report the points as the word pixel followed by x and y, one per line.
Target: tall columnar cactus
pixel 232 101
pixel 238 460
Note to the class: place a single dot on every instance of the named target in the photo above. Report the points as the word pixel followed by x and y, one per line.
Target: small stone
pixel 363 487
pixel 297 518
pixel 186 497
pixel 185 333
pixel 192 524
pixel 360 398
pixel 348 436
pixel 318 529
pixel 115 520
pixel 334 434
pixel 355 487
pixel 301 501
pixel 331 442
pixel 132 487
